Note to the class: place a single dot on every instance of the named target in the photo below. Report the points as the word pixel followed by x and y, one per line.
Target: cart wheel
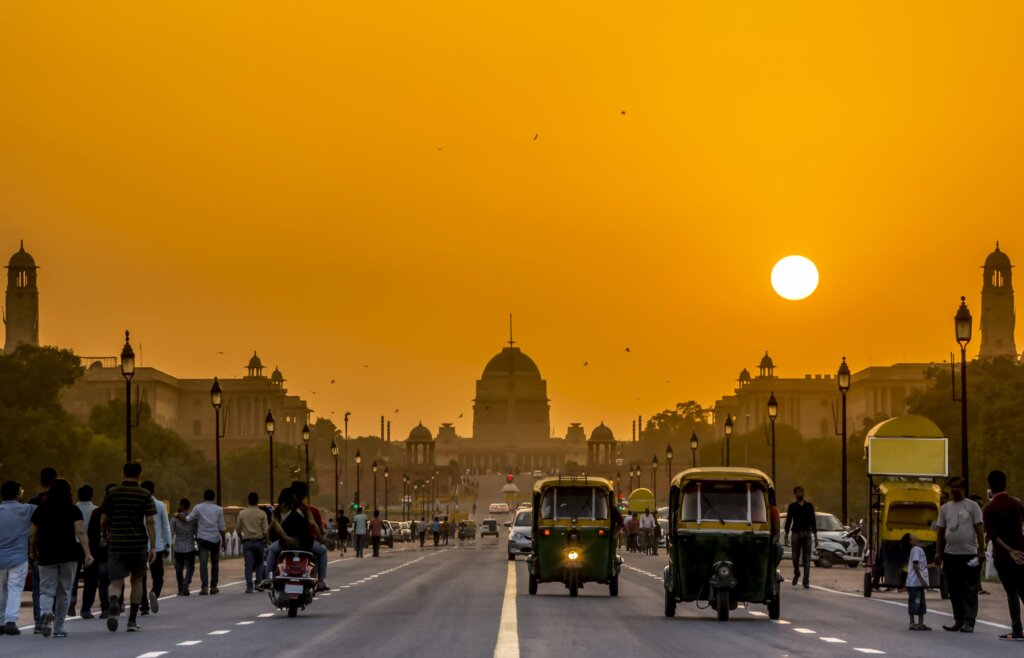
pixel 670 604
pixel 533 585
pixel 867 585
pixel 722 604
pixel 943 586
pixel 293 608
pixel 613 586
pixel 574 585
pixel 775 607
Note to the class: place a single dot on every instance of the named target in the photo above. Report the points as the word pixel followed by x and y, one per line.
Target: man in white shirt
pixel 960 550
pixel 647 523
pixel 162 548
pixel 210 537
pixel 359 524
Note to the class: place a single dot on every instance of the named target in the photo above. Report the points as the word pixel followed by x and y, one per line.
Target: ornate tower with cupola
pixel 21 312
pixel 997 312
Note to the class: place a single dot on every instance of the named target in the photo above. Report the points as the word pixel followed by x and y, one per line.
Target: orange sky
pixel 350 184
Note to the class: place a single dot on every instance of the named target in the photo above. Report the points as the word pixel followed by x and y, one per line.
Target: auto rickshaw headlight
pixel 724 570
pixel 573 555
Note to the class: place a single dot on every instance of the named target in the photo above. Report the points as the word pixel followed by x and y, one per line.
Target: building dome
pixel 276 376
pixel 22 259
pixel 996 259
pixel 420 434
pixel 602 433
pixel 744 375
pixel 254 362
pixel 766 362
pixel 511 361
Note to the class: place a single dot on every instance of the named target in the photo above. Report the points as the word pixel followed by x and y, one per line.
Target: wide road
pixel 461 601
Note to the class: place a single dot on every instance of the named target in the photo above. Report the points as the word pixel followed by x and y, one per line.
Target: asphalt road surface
pixel 470 600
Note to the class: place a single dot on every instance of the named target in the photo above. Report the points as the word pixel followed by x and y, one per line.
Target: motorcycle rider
pixel 294 524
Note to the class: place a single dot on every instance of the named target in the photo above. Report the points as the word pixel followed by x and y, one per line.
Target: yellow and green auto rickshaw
pixel 899 507
pixel 722 540
pixel 573 534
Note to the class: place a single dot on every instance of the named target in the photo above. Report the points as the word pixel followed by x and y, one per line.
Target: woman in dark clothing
pixel 58 541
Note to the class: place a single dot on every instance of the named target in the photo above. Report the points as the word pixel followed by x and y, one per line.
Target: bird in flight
pixel 585 363
pixel 460 415
pixel 220 352
pixel 623 113
pixel 627 349
pixel 396 411
pixel 366 365
pixel 535 136
pixel 332 381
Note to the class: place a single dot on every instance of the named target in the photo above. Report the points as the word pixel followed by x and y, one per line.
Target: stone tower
pixel 997 313
pixel 21 313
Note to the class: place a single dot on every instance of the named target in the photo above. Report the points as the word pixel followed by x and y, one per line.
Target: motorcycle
pixel 849 549
pixel 294 582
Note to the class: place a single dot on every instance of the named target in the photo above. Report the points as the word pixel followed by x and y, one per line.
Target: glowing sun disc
pixel 794 278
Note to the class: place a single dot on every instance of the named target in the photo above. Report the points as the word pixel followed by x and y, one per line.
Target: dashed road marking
pixel 152 654
pixel 871 651
pixel 805 631
pixel 189 643
pixel 245 623
pixel 833 640
pixel 266 614
pixel 903 604
pixel 757 613
pixel 218 632
pixel 781 622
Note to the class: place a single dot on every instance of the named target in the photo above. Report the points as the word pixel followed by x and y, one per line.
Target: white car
pixel 828 526
pixel 498 508
pixel 520 534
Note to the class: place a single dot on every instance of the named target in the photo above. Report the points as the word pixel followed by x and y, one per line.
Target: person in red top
pixel 1004 525
pixel 376 532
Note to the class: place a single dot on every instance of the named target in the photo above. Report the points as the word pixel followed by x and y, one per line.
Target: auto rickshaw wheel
pixel 533 585
pixel 613 586
pixel 722 603
pixel 775 607
pixel 867 585
pixel 670 604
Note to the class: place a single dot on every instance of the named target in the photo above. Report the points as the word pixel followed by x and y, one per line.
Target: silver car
pixel 828 526
pixel 520 534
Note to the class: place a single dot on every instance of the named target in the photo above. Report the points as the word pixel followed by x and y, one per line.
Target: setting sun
pixel 794 278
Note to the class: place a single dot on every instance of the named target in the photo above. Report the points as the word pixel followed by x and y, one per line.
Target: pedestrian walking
pixel 376 531
pixel 184 546
pixel 254 532
pixel 359 525
pixel 802 531
pixel 960 550
pixel 57 541
pixel 343 522
pixel 917 580
pixel 87 507
pixel 96 579
pixel 130 531
pixel 46 477
pixel 445 529
pixel 15 525
pixel 210 527
pixel 647 525
pixel 421 528
pixel 162 548
pixel 1003 517
pixel 435 529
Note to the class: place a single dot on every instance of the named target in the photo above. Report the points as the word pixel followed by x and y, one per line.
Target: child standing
pixel 917 580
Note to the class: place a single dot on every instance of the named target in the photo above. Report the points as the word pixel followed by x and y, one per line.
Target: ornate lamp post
pixel 305 445
pixel 437 490
pixel 127 371
pixel 269 423
pixel 359 461
pixel 344 458
pixel 694 444
pixel 964 325
pixel 386 475
pixel 728 436
pixel 654 477
pixel 415 495
pixel 668 457
pixel 773 413
pixel 334 453
pixel 216 399
pixel 843 378
pixel 373 467
pixel 405 496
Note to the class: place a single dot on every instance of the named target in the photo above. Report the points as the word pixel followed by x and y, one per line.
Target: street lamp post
pixel 216 399
pixel 373 467
pixel 773 413
pixel 305 445
pixel 964 326
pixel 694 444
pixel 405 496
pixel 127 371
pixel 844 386
pixel 334 453
pixel 359 461
pixel 437 490
pixel 386 475
pixel 728 436
pixel 654 478
pixel 269 423
pixel 344 458
pixel 668 457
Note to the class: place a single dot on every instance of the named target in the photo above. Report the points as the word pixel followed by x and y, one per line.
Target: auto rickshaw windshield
pixel 911 515
pixel 574 503
pixel 724 501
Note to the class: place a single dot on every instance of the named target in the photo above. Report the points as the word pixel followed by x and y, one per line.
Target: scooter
pixel 294 581
pixel 850 549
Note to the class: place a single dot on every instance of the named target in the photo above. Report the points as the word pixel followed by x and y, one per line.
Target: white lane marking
pixel 189 643
pixel 781 621
pixel 245 623
pixel 218 632
pixel 863 650
pixel 507 645
pixel 805 631
pixel 266 614
pixel 152 654
pixel 757 613
pixel 833 640
pixel 903 604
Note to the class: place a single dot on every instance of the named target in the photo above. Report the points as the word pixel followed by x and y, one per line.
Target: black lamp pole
pixel 344 460
pixel 773 412
pixel 654 478
pixel 386 475
pixel 694 444
pixel 359 461
pixel 305 445
pixel 216 398
pixel 334 453
pixel 844 387
pixel 373 467
pixel 269 423
pixel 728 436
pixel 127 371
pixel 668 457
pixel 964 325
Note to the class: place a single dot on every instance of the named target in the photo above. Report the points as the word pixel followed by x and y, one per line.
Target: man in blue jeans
pixel 253 531
pixel 46 477
pixel 209 518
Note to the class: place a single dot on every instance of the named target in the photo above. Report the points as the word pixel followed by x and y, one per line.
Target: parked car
pixel 388 538
pixel 520 534
pixel 488 527
pixel 396 530
pixel 538 474
pixel 498 508
pixel 828 526
pixel 406 530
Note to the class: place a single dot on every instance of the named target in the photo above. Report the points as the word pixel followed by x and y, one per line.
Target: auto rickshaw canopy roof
pixel 722 473
pixel 908 427
pixel 572 481
pixel 907 445
pixel 899 490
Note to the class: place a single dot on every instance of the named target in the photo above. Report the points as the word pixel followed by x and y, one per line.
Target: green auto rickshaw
pixel 722 540
pixel 573 534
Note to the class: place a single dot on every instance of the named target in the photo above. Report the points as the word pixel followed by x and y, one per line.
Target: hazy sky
pixel 342 185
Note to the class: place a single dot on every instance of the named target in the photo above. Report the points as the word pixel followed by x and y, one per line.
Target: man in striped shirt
pixel 130 533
